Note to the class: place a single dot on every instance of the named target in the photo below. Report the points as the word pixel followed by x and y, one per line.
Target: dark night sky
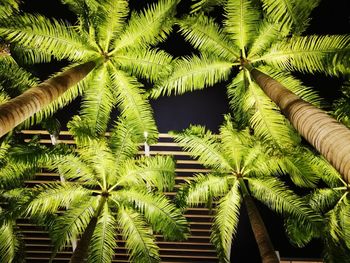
pixel 207 107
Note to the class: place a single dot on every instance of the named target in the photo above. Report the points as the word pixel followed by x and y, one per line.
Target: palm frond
pixel 163 216
pixel 49 197
pixel 15 78
pixel 111 17
pixel 7 7
pixel 138 236
pixel 268 123
pixel 71 167
pixel 293 16
pixel 203 188
pixel 49 35
pixel 344 216
pixel 324 199
pixel 98 101
pixel 326 171
pixel 99 157
pixel 133 103
pixel 205 35
pixel 123 141
pixel 193 73
pixel 104 240
pixel 240 22
pixel 202 144
pixel 278 197
pixel 148 27
pixel 311 54
pixel 236 92
pixel 9 241
pixel 268 34
pixel 157 171
pixel 150 64
pixel 29 56
pixel 299 166
pixel 72 223
pixel 204 5
pixel 300 234
pixel 226 222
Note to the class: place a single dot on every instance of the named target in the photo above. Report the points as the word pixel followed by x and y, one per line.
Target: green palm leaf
pixel 266 121
pixel 13 77
pixel 111 16
pixel 203 145
pixel 104 240
pixel 134 106
pixel 159 212
pixel 284 200
pixel 157 171
pixel 324 199
pixel 123 141
pixel 140 241
pixel 72 223
pixel 203 33
pixel 149 27
pixel 203 188
pixel 226 222
pixel 292 15
pixel 241 20
pixel 193 74
pixel 98 101
pixel 50 197
pixel 151 64
pixel 205 4
pixel 51 36
pixel 268 34
pixel 9 241
pixel 311 54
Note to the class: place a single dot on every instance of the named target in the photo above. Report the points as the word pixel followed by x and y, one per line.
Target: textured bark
pixel 328 136
pixel 80 254
pixel 266 249
pixel 262 238
pixel 31 101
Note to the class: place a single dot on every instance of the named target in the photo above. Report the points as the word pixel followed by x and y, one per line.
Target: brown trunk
pixel 329 137
pixel 266 250
pixel 81 252
pixel 31 101
pixel 262 238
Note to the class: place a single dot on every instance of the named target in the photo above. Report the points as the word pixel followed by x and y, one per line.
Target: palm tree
pixel 107 189
pixel 266 35
pixel 109 50
pixel 332 202
pixel 241 169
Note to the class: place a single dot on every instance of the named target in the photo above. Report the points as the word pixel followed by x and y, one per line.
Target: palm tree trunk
pixel 262 238
pixel 31 101
pixel 328 136
pixel 81 252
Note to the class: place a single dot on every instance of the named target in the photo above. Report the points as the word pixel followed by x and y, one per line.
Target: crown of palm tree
pixel 104 181
pixel 120 45
pixel 268 34
pixel 235 159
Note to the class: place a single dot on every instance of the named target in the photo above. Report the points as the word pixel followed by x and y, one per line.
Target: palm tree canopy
pixel 268 34
pixel 232 156
pixel 116 40
pixel 104 180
